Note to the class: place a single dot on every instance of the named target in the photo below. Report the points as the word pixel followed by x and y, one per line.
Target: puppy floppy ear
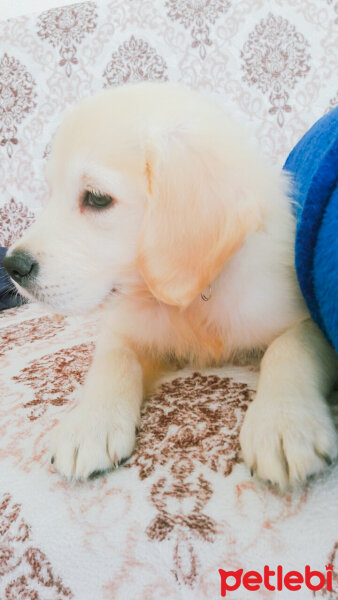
pixel 198 214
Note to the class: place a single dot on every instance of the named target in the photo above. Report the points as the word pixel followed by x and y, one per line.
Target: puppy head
pixel 146 189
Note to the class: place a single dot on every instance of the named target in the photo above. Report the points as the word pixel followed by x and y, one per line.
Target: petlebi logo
pixel 275 579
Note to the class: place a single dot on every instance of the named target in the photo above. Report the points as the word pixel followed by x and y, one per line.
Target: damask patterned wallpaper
pixel 272 63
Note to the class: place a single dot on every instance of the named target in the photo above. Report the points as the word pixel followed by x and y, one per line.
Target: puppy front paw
pixel 88 441
pixel 285 442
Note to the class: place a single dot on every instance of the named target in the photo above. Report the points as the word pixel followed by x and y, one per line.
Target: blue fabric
pixel 314 167
pixel 8 296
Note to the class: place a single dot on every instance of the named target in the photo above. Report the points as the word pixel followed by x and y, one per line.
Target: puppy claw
pixel 325 458
pixel 288 450
pixel 86 445
pixel 96 474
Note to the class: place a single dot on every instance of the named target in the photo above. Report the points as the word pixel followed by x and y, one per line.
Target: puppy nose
pixel 21 267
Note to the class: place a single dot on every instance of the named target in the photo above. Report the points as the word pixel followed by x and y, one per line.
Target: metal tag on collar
pixel 206 294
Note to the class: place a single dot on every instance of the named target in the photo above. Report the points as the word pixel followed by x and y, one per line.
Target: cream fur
pixel 195 205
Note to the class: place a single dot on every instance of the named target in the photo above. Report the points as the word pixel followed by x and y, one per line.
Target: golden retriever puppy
pixel 162 213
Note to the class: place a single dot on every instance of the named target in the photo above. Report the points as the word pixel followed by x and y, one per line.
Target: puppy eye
pixel 96 200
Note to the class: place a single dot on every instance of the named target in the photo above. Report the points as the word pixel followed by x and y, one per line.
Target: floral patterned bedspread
pixel 184 506
pixel 161 526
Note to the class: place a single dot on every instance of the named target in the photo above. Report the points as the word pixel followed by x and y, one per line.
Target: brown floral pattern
pixel 28 332
pixel 189 421
pixel 184 504
pixel 17 99
pixel 54 377
pixel 197 15
pixel 15 217
pixel 135 61
pixel 275 57
pixel 183 525
pixel 25 572
pixel 65 27
pixel 171 424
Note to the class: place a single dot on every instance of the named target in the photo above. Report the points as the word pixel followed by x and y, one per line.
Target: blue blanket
pixel 314 167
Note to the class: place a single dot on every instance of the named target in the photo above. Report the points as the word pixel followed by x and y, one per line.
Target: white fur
pixel 195 206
